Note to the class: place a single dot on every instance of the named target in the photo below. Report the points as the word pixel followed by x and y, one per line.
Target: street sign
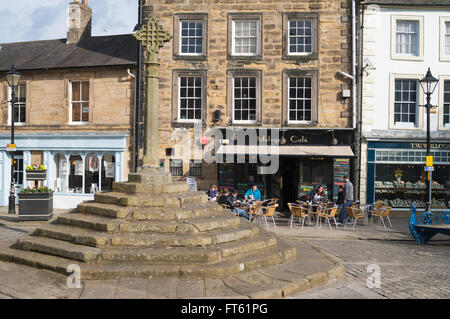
pixel 11 147
pixel 429 168
pixel 429 161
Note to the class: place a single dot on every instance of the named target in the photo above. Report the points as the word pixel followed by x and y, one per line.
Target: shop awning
pixel 294 150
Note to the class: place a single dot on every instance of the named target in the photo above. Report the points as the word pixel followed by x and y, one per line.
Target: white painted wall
pixel 377 47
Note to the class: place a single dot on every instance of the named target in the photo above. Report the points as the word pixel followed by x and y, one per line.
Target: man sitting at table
pixel 253 193
pixel 232 202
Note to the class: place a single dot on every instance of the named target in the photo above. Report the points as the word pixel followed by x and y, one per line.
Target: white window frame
pixel 420 38
pixel 443 56
pixel 440 108
pixel 257 97
pixel 233 37
pixel 420 99
pixel 289 37
pixel 10 104
pixel 289 99
pixel 181 37
pixel 71 103
pixel 202 84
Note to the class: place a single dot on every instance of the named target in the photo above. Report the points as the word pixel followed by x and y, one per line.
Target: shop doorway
pixel 289 181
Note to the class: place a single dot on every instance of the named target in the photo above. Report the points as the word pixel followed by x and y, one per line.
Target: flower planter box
pixel 35 206
pixel 36 175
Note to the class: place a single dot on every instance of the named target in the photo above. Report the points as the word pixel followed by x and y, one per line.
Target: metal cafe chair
pixel 355 214
pixel 297 211
pixel 384 213
pixel 329 213
pixel 266 212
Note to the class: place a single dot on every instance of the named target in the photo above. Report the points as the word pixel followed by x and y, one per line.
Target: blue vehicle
pixel 428 224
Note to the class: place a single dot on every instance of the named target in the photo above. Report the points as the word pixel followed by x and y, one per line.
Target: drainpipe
pixel 354 63
pixel 361 78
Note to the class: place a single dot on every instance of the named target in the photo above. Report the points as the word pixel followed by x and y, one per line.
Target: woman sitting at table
pixel 212 193
pixel 317 198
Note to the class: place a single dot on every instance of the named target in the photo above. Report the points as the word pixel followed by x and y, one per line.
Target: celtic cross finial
pixel 152 36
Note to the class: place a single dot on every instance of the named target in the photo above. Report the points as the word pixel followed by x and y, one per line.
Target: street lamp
pixel 12 77
pixel 428 85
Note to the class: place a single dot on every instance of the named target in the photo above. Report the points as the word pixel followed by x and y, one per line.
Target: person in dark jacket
pixel 232 201
pixel 223 198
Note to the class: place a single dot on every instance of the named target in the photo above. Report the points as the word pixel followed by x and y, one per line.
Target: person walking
pixel 348 199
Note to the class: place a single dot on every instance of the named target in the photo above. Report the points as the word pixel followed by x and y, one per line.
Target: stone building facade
pixel 74 113
pixel 265 48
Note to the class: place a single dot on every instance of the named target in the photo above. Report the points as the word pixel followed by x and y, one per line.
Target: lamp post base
pixel 12 205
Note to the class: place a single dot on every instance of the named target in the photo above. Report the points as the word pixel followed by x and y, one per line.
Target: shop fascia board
pixel 68 141
pixel 375 135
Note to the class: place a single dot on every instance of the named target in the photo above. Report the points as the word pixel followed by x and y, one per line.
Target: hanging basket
pixel 36 175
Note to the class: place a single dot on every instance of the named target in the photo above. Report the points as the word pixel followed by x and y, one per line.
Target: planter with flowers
pixel 36 203
pixel 36 172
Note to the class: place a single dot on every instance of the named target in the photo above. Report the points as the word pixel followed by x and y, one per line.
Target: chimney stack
pixel 80 21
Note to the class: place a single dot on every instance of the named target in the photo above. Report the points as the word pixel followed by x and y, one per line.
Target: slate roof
pixel 410 2
pixel 53 54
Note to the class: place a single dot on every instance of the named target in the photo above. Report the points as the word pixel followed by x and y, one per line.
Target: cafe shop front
pixel 306 159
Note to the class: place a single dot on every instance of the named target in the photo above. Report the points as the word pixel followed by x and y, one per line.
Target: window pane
pixel 85 91
pixel 190 98
pixel 407 37
pixel 300 98
pixel 76 91
pixel 76 112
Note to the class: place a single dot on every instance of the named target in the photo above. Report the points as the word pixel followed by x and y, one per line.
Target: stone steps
pixel 75 235
pixel 102 209
pixel 112 270
pixel 189 254
pixel 191 226
pixel 158 200
pixel 174 212
pixel 58 248
pixel 245 231
pixel 92 222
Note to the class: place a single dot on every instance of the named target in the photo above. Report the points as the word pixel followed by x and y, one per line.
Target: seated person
pixel 233 202
pixel 212 193
pixel 223 198
pixel 318 196
pixel 253 193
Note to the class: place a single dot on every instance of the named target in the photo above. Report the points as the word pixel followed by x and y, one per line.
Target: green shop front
pixel 396 174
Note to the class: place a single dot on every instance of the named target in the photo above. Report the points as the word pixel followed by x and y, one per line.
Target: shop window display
pixel 400 185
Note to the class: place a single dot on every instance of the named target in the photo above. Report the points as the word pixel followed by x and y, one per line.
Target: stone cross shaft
pixel 152 36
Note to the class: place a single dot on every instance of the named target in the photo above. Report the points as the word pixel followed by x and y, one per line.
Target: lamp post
pixel 12 77
pixel 428 85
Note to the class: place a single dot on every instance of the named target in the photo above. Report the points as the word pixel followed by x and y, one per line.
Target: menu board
pixel 341 168
pixel 226 176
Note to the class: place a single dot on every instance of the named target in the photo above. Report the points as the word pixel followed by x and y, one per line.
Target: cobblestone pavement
pixel 407 270
pixel 11 233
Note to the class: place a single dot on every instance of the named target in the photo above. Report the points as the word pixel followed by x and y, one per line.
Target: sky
pixel 30 20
